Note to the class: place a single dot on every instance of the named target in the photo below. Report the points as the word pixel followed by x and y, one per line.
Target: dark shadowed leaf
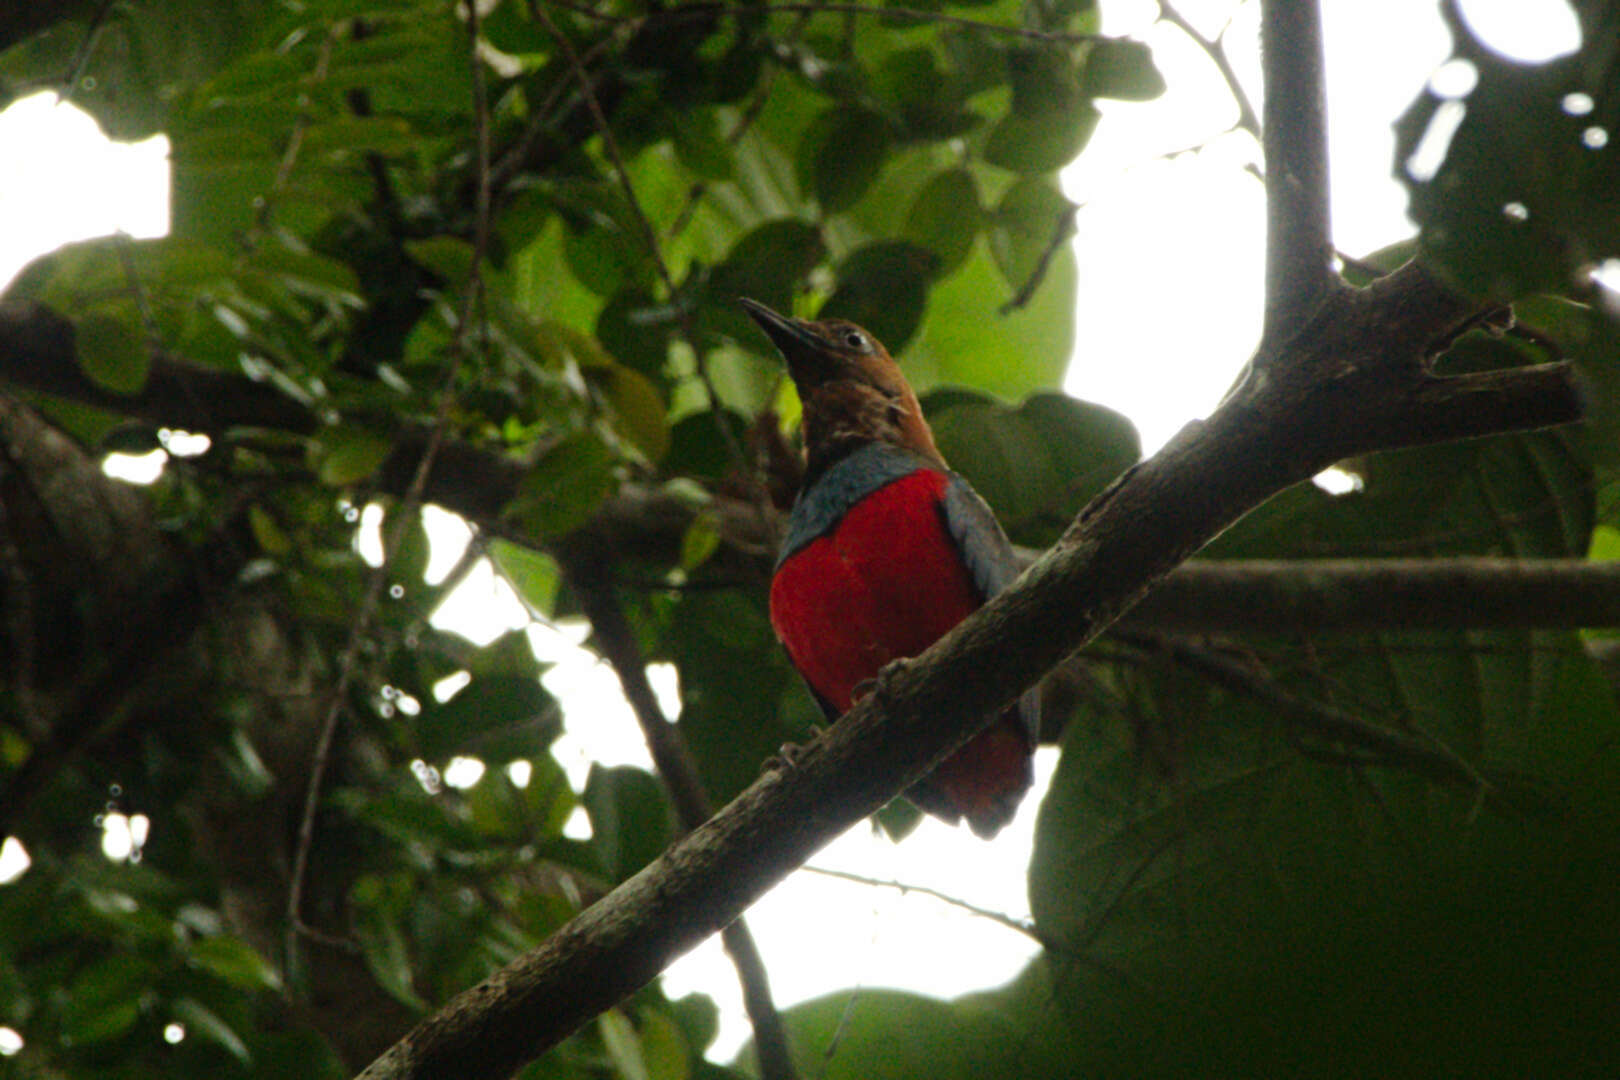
pixel 493 704
pixel 1036 464
pixel 630 816
pixel 1117 68
pixel 945 217
pixel 884 287
pixel 842 154
pixel 112 350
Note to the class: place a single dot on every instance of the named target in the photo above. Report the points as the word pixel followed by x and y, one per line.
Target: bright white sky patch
pixel 14 860
pixel 1531 30
pixel 71 183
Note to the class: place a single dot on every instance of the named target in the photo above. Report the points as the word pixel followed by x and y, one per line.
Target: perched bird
pixel 886 550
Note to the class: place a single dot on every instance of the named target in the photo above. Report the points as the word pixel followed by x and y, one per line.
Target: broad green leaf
pixel 699 144
pixel 1037 464
pixel 663 1048
pixel 971 339
pixel 884 287
pixel 1032 220
pixel 638 408
pixel 534 574
pixel 347 454
pixel 235 961
pixel 450 257
pixel 945 217
pixel 842 154
pixel 103 999
pixel 733 678
pixel 490 705
pixel 112 350
pixel 637 330
pixel 1050 120
pixel 623 1047
pixel 876 1034
pixel 530 814
pixel 1123 69
pixel 1528 191
pixel 377 928
pixel 630 817
pixel 564 487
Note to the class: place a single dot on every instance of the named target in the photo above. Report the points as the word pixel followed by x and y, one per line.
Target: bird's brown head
pixel 853 391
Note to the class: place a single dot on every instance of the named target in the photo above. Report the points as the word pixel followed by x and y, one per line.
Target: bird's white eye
pixel 855 339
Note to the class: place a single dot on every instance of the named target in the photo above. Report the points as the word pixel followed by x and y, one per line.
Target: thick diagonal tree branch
pixel 1354 380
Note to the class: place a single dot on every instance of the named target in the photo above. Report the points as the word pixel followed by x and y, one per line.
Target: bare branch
pixel 1299 242
pixel 1247 120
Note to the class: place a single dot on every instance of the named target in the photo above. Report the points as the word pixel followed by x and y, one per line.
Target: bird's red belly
pixel 885 584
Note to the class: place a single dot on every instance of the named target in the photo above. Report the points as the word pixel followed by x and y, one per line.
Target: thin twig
pixel 81 56
pixel 1424 754
pixel 1247 118
pixel 1001 918
pixel 1062 229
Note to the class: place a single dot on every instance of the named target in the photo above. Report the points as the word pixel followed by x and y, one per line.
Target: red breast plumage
pixel 887 549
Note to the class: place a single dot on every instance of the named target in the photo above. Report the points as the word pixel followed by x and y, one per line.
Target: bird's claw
pixel 879 684
pixel 788 755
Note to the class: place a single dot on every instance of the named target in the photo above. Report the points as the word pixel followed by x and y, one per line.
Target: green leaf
pixel 636 330
pixel 879 1034
pixel 970 339
pixel 841 154
pixel 1038 464
pixel 638 408
pixel 734 676
pixel 534 574
pixel 203 1022
pixel 701 540
pixel 382 942
pixel 234 961
pixel 1118 68
pixel 699 145
pixel 663 1047
pixel 450 257
pixel 630 818
pixel 1528 192
pixel 945 217
pixel 347 454
pixel 487 705
pixel 103 1000
pixel 564 488
pixel 619 1036
pixel 112 350
pixel 1050 120
pixel 884 287
pixel 1032 219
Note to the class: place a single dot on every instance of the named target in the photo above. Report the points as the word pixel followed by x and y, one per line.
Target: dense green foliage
pixel 1221 891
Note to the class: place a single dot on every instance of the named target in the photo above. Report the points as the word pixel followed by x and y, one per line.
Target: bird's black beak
pixel 803 349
